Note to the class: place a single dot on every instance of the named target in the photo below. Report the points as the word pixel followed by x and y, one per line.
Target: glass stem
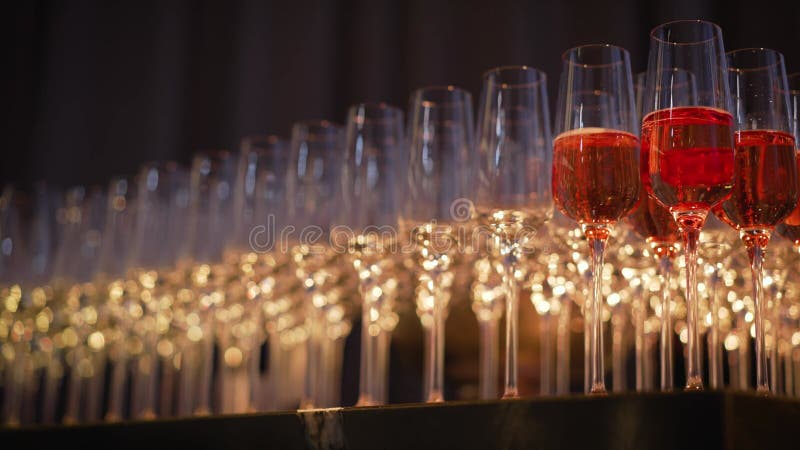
pixel 370 334
pixel 714 345
pixel 776 380
pixel 639 338
pixel 253 359
pixel 597 237
pixel 618 349
pixel 511 389
pixel 436 345
pixel 204 381
pixel 427 369
pixel 488 355
pixel 166 387
pixel 665 271
pixel 733 368
pixel 788 378
pixel 381 393
pixel 117 386
pixel 274 368
pixel 796 371
pixel 73 396
pixel 744 358
pixel 546 364
pixel 52 381
pixel 690 227
pixel 563 347
pixel 756 241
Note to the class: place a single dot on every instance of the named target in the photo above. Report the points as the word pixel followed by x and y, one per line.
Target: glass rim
pixel 717 31
pixel 518 67
pixel 625 52
pixel 754 50
pixel 388 111
pixel 463 93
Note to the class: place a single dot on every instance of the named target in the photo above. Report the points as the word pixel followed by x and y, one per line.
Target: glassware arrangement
pixel 233 285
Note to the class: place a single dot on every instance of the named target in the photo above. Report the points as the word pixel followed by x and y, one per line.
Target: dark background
pixel 91 89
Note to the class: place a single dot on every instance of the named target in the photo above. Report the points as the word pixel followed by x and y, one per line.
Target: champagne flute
pixel 315 164
pixel 655 224
pixel 595 163
pixel 277 285
pixel 688 144
pixel 765 187
pixel 366 226
pixel 790 228
pixel 513 198
pixel 436 202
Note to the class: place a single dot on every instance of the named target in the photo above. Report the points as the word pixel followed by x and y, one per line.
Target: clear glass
pixel 595 164
pixel 317 152
pixel 704 143
pixel 366 229
pixel 513 199
pixel 765 187
pixel 437 204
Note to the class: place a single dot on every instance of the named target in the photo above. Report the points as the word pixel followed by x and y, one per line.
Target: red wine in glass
pixel 765 188
pixel 690 153
pixel 790 227
pixel 595 180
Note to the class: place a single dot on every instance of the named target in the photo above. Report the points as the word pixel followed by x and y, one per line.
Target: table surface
pixel 654 421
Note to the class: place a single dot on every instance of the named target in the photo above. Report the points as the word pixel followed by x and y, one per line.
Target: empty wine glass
pixel 595 162
pixel 315 165
pixel 436 202
pixel 513 199
pixel 366 228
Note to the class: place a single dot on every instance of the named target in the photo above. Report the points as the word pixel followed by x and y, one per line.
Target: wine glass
pixel 655 224
pixel 765 187
pixel 366 228
pixel 278 287
pixel 314 170
pixel 687 143
pixel 790 228
pixel 595 162
pixel 437 202
pixel 513 199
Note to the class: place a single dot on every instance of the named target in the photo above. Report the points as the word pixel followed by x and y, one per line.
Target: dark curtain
pixel 94 88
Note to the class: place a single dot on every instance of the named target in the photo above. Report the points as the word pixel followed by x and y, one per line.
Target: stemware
pixel 366 226
pixel 315 165
pixel 655 224
pixel 436 205
pixel 790 227
pixel 765 187
pixel 687 144
pixel 595 163
pixel 513 198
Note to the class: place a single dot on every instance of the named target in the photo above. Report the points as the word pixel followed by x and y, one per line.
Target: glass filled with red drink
pixel 766 175
pixel 687 143
pixel 595 163
pixel 790 227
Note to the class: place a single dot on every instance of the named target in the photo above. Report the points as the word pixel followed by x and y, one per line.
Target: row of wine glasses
pixel 233 285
